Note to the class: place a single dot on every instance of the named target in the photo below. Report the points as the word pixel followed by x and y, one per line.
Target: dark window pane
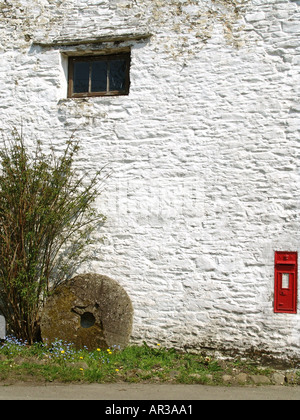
pixel 99 76
pixel 81 77
pixel 117 75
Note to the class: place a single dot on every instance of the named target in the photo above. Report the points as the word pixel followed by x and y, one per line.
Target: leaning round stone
pixel 90 310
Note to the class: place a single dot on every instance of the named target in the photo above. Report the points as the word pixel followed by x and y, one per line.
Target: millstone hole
pixel 87 320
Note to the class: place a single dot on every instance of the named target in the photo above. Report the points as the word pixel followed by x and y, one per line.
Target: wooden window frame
pixel 104 57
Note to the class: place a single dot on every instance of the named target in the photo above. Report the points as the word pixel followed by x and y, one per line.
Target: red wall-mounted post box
pixel 285 296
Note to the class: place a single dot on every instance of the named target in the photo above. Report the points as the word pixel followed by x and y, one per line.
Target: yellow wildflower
pixel 62 351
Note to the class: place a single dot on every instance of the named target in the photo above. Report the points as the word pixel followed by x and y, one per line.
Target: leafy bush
pixel 46 221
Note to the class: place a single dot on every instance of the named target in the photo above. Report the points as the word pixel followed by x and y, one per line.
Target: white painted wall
pixel 203 154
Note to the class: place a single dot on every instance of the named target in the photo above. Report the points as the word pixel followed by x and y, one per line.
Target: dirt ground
pixel 142 392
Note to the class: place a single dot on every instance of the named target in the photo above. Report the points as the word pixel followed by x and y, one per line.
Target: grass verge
pixel 60 362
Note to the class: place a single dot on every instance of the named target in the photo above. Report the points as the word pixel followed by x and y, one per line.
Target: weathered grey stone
pixel 196 376
pixel 242 378
pixel 174 373
pixel 227 378
pixel 278 378
pixel 260 379
pixel 89 310
pixel 2 327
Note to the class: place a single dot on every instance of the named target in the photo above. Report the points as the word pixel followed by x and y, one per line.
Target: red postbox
pixel 285 296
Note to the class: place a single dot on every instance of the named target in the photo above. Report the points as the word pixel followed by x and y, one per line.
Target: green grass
pixel 60 362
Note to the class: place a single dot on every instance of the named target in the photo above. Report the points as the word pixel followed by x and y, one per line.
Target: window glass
pixel 81 76
pixel 102 75
pixel 99 76
pixel 117 75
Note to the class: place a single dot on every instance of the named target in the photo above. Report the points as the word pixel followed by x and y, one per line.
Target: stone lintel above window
pixel 114 38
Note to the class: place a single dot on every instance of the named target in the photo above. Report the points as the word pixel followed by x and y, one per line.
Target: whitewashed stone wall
pixel 203 153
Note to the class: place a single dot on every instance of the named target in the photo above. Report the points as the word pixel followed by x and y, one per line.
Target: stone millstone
pixel 89 310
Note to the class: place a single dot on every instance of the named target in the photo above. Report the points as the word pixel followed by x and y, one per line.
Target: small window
pixel 101 75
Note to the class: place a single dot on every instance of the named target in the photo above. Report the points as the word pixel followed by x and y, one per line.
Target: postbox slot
pixel 285 281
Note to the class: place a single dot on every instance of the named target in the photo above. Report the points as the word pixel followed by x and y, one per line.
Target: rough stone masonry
pixel 203 153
